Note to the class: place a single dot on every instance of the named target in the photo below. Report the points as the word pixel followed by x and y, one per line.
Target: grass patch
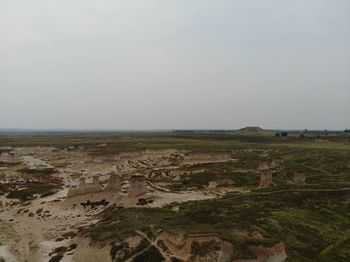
pixel 38 171
pixel 307 222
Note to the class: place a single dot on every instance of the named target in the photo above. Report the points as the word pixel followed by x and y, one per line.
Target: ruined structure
pixel 137 186
pixel 299 178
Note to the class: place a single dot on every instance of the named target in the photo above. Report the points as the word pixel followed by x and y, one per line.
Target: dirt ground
pixel 32 229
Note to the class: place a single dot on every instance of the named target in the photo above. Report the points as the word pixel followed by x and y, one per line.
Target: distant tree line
pixel 282 134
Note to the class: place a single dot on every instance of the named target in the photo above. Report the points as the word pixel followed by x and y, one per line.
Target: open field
pixel 117 141
pixel 200 197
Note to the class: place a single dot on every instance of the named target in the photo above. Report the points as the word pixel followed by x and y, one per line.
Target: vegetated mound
pixel 32 182
pixel 254 131
pixel 28 193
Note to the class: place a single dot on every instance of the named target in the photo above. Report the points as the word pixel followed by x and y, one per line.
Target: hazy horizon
pixel 29 130
pixel 163 65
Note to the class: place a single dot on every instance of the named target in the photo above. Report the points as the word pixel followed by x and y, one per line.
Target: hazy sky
pixel 149 64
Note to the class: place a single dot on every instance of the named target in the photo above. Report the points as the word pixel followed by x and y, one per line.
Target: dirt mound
pixel 253 131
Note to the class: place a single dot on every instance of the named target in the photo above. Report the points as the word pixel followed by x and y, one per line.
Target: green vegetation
pixel 150 255
pixel 9 164
pixel 94 204
pixel 119 141
pixel 313 225
pixel 127 251
pixel 38 171
pixel 28 193
pixel 202 179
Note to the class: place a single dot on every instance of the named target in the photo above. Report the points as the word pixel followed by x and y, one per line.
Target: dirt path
pixel 154 243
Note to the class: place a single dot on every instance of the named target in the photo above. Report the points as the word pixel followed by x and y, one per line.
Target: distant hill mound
pixel 254 131
pixel 251 129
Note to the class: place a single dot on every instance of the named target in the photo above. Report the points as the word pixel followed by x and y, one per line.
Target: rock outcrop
pixel 137 186
pixel 197 247
pixel 265 174
pixel 176 158
pixel 276 163
pixel 83 188
pixel 276 253
pixel 263 166
pixel 95 186
pixel 113 182
pixel 299 178
pixel 80 190
pixel 214 156
pixel 265 179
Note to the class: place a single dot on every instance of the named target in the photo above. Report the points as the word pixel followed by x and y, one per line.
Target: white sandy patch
pixel 6 254
pixel 162 198
pixel 35 162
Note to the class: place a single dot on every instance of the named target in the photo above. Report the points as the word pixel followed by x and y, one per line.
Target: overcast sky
pixel 150 64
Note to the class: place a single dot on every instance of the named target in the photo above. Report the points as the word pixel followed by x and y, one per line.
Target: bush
pixel 142 202
pixel 27 193
pixel 284 134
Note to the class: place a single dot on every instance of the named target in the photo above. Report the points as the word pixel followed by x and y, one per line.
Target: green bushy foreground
pixel 313 225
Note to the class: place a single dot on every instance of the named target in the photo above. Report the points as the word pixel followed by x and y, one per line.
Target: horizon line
pixel 158 129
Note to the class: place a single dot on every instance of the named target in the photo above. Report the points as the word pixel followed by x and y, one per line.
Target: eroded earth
pixel 76 204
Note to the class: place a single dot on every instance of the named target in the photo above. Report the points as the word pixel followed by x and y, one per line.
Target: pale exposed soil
pixel 31 230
